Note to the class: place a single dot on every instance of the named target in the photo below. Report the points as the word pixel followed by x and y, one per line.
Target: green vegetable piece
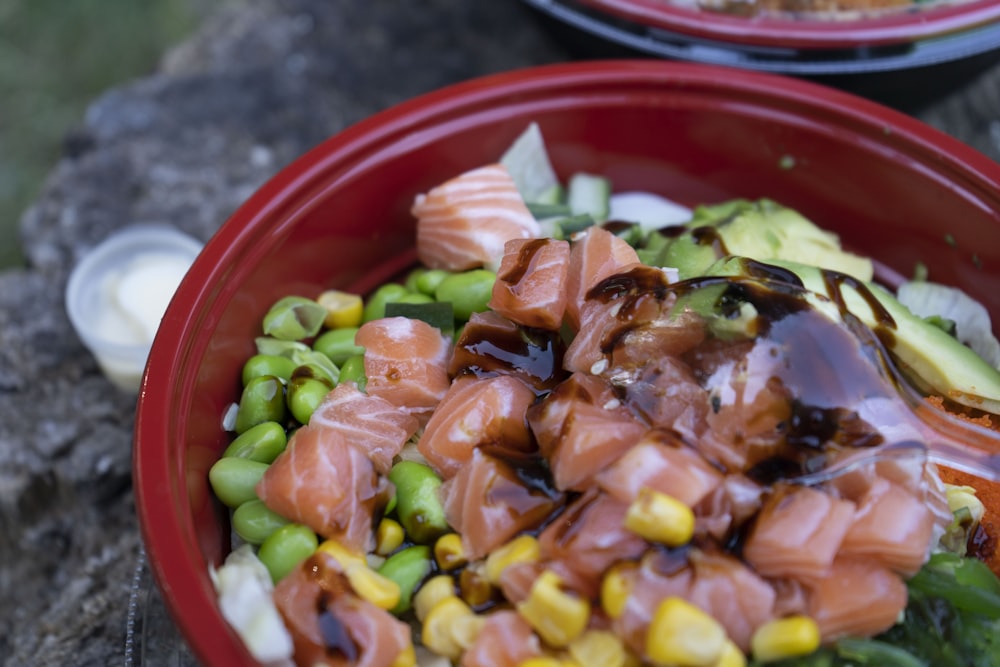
pixel 413 277
pixel 469 292
pixel 304 396
pixel 279 348
pixel 414 298
pixel 417 504
pixel 315 364
pixel 254 522
pixel 429 281
pixel 408 568
pixel 440 314
pixel 876 652
pixel 967 583
pixel 353 370
pixel 375 306
pixel 263 400
pixel 589 194
pixel 286 548
pixel 262 443
pixel 294 318
pixel 541 211
pixel 338 344
pixel 267 364
pixel 233 479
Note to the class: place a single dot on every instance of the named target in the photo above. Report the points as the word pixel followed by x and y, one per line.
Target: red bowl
pixel 338 216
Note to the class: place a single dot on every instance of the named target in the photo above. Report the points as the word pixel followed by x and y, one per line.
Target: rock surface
pixel 260 84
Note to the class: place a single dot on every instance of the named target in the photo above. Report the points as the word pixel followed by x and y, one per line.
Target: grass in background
pixel 56 56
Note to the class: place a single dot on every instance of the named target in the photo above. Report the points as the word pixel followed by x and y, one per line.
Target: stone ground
pixel 255 88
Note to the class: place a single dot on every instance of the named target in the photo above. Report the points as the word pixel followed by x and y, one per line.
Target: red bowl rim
pixel 176 563
pixel 894 28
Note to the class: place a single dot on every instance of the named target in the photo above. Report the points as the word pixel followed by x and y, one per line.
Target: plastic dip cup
pixel 117 294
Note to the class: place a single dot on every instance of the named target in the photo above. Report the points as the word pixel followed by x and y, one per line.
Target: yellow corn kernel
pixel 660 518
pixel 342 309
pixel 342 554
pixel 598 647
pixel 372 586
pixel 438 631
pixel 557 616
pixel 731 656
pixel 522 549
pixel 473 586
pixel 465 629
pixel 449 552
pixel 616 587
pixel 542 661
pixel 787 637
pixel 681 634
pixel 431 592
pixel 406 658
pixel 388 536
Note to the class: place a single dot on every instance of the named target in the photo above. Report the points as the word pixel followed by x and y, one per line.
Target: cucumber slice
pixel 589 194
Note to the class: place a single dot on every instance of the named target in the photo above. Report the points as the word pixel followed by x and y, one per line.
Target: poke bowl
pixel 341 221
pixel 905 54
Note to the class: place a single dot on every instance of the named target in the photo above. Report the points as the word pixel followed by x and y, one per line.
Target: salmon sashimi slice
pixel 662 462
pixel 728 507
pixel 857 598
pixel 595 254
pixel 717 583
pixel 798 533
pixel 477 412
pixel 406 363
pixel 587 538
pixel 892 527
pixel 325 482
pixel 505 640
pixel 530 288
pixel 490 344
pixel 465 222
pixel 331 625
pixel 581 428
pixel 491 500
pixel 372 423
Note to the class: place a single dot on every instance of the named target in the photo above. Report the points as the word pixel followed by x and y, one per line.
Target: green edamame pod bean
pixel 429 281
pixel 285 548
pixel 254 522
pixel 262 443
pixel 413 276
pixel 280 348
pixel 338 344
pixel 294 317
pixel 407 567
pixel 415 297
pixel 417 504
pixel 375 306
pixel 469 292
pixel 263 400
pixel 304 395
pixel 353 370
pixel 267 364
pixel 233 479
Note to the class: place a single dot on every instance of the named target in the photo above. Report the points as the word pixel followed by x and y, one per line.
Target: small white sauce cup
pixel 119 341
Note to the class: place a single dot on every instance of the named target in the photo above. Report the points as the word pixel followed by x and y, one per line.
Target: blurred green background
pixel 56 56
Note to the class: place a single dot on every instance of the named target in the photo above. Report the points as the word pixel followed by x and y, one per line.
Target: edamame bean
pixel 415 297
pixel 375 307
pixel 413 276
pixel 293 318
pixel 338 344
pixel 279 348
pixel 262 443
pixel 285 548
pixel 233 479
pixel 353 370
pixel 254 522
pixel 469 292
pixel 407 567
pixel 267 364
pixel 428 282
pixel 417 504
pixel 304 396
pixel 263 400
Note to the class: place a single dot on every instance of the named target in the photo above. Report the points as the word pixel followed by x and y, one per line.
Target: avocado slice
pixel 762 229
pixel 941 362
